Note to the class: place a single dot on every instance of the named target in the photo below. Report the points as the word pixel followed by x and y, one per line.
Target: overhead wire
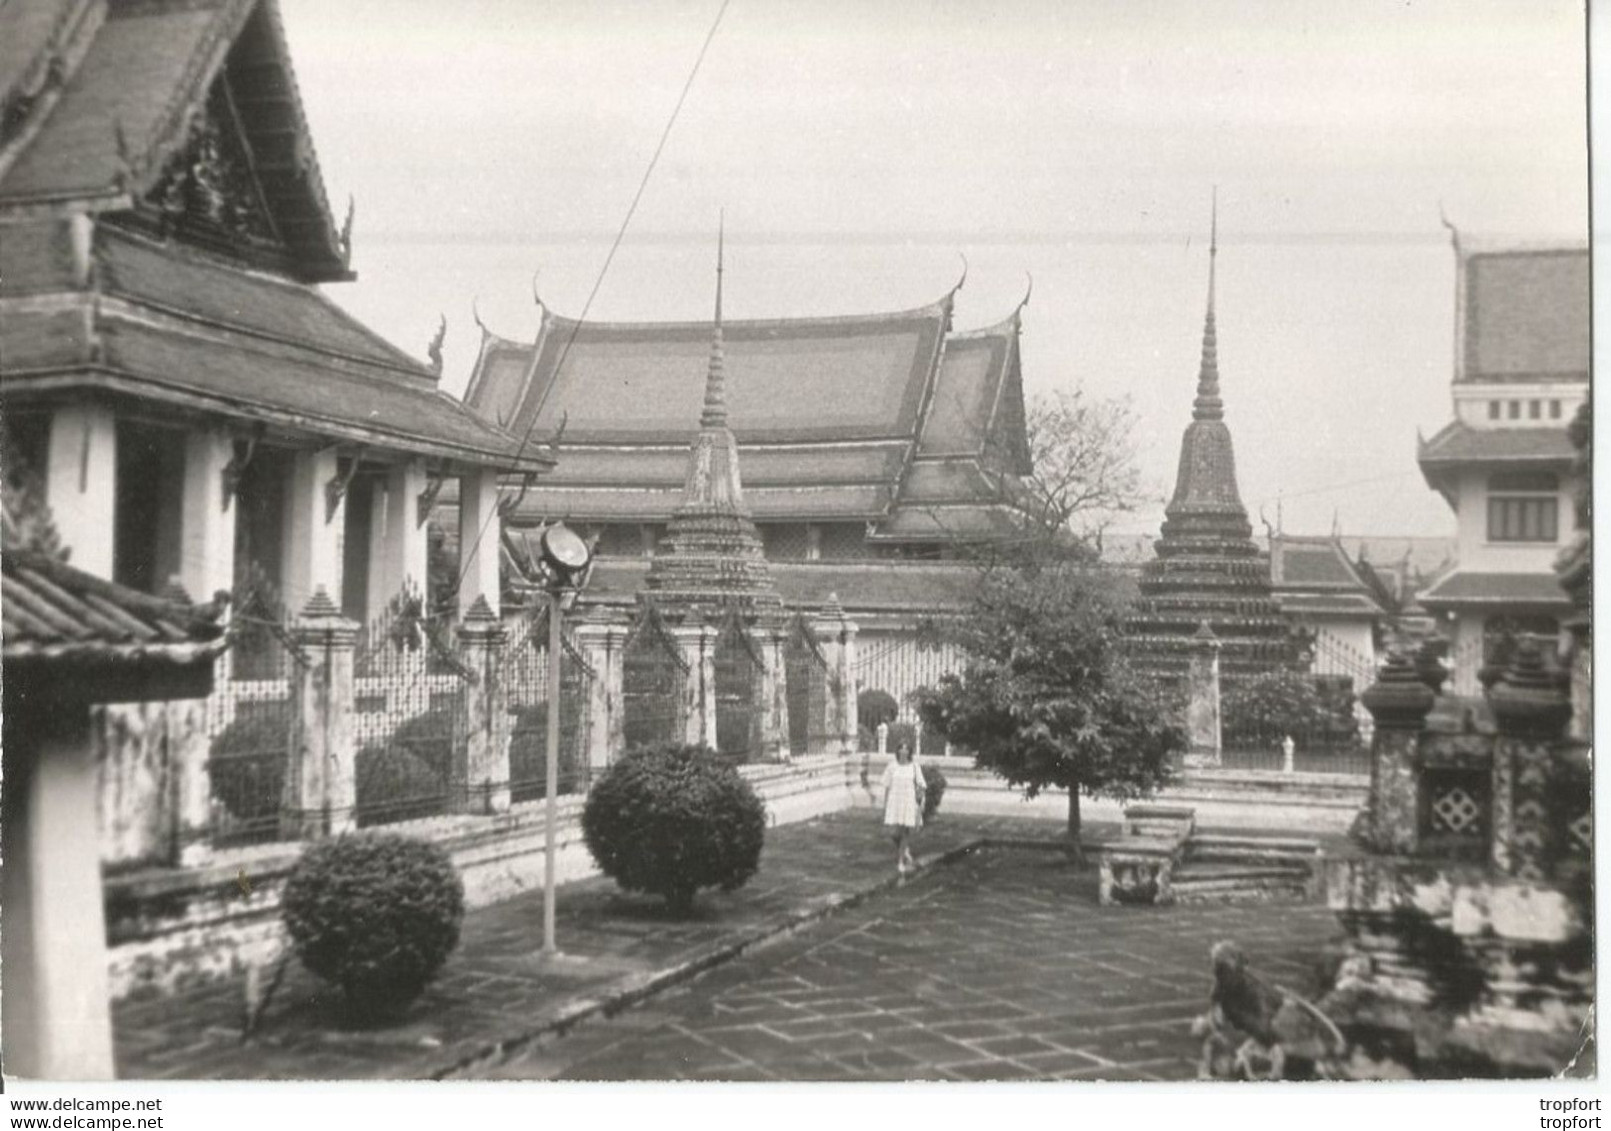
pixel 466 555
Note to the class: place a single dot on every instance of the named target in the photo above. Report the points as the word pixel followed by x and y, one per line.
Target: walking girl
pixel 903 804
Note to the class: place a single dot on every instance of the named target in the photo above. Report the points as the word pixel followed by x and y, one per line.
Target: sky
pixel 860 151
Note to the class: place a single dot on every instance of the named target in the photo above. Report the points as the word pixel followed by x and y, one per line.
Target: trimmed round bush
pixel 934 784
pixel 375 913
pixel 406 776
pixel 669 820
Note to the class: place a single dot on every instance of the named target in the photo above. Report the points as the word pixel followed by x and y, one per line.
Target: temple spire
pixel 715 411
pixel 1208 405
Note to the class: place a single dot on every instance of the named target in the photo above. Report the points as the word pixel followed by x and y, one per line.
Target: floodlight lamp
pixel 565 556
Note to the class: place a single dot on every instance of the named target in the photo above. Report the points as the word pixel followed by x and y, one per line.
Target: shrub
pixel 406 776
pixel 670 819
pixel 873 707
pixel 899 733
pixel 934 784
pixel 246 763
pixel 1265 709
pixel 375 913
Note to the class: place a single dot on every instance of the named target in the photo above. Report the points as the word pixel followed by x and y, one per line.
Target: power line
pixel 1336 487
pixel 654 160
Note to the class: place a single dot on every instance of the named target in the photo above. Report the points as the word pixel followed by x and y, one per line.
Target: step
pixel 1225 874
pixel 1239 840
pixel 1291 891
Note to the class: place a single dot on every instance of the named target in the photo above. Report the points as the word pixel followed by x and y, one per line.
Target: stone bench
pixel 1139 866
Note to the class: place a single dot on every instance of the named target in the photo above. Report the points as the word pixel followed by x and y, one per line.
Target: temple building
pixel 1504 463
pixel 1209 576
pixel 201 419
pixel 1339 601
pixel 877 452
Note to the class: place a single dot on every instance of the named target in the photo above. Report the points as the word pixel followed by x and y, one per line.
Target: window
pixel 1535 410
pixel 1554 410
pixel 1493 410
pixel 1514 411
pixel 1523 506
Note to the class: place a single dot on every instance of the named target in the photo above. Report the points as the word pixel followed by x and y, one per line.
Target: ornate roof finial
pixel 715 411
pixel 1208 405
pixel 434 350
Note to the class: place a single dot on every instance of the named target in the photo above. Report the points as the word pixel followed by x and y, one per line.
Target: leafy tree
pixel 1046 697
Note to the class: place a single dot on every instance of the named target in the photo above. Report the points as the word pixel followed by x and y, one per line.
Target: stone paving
pixel 994 965
pixel 998 966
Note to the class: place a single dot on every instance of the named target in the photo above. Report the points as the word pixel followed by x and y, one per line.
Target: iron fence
pixel 525 675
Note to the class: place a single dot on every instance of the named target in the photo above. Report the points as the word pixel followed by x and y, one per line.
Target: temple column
pixel 480 539
pixel 696 643
pixel 774 694
pixel 81 484
pixel 1399 702
pixel 1203 735
pixel 601 645
pixel 314 530
pixel 1531 713
pixel 398 542
pixel 320 783
pixel 479 781
pixel 206 567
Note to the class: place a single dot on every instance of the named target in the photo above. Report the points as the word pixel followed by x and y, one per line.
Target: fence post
pixel 1399 702
pixel 480 774
pixel 1531 712
pixel 840 632
pixel 1204 739
pixel 697 644
pixel 601 647
pixel 773 693
pixel 320 787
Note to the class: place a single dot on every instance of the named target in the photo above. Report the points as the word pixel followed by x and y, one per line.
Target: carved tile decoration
pixel 1455 811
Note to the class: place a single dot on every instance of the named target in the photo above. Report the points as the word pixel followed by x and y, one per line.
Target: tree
pixel 1262 710
pixel 1076 469
pixel 1046 697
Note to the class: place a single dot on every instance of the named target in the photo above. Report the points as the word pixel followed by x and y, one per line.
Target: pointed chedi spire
pixel 1208 570
pixel 1208 405
pixel 711 560
pixel 715 411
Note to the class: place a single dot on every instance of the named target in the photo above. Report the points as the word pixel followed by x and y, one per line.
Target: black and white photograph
pixel 796 542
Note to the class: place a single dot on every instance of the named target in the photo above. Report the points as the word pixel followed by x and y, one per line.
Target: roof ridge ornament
pixel 434 350
pixel 345 238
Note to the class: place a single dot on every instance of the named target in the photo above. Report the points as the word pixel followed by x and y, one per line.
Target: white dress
pixel 900 795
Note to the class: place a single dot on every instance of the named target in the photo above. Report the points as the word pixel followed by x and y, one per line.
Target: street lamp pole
pixel 551 803
pixel 564 567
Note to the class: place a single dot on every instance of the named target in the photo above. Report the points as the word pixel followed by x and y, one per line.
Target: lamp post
pixel 565 561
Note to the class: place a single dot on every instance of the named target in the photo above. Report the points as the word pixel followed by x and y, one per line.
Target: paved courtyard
pixel 997 966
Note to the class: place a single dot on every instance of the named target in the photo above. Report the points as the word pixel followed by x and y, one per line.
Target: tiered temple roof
pixel 883 419
pixel 162 217
pixel 1208 570
pixel 711 559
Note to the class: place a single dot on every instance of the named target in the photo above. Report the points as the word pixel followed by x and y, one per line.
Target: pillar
pixel 81 483
pixel 774 694
pixel 1531 714
pixel 1203 736
pixel 313 531
pixel 601 645
pixel 57 1022
pixel 320 780
pixel 1399 702
pixel 207 516
pixel 696 643
pixel 398 541
pixel 479 782
pixel 480 539
pixel 839 635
